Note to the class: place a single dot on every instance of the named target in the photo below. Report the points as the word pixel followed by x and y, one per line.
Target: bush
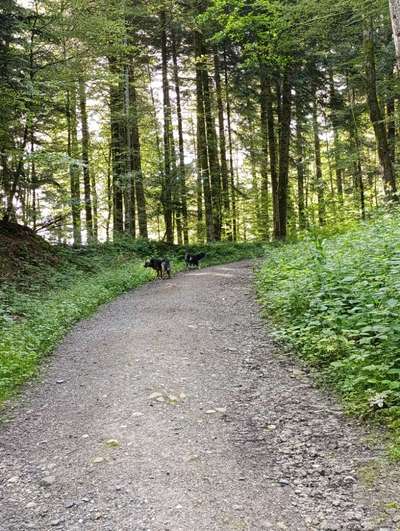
pixel 337 302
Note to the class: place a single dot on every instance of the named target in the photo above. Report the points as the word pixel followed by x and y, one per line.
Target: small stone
pixel 55 523
pixel 97 460
pixel 47 481
pixel 266 524
pixel 86 436
pixel 155 395
pixel 60 382
pixel 69 504
pixel 210 411
pixel 353 515
pixel 220 409
pixel 328 525
pixel 14 479
pixel 284 482
pixel 113 443
pixel 30 505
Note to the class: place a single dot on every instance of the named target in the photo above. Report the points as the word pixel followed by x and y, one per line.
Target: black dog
pixel 160 265
pixel 193 260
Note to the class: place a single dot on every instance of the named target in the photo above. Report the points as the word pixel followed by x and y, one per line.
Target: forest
pixel 249 152
pixel 196 121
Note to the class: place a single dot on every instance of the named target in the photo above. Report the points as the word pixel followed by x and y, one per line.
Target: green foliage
pixel 38 309
pixel 337 302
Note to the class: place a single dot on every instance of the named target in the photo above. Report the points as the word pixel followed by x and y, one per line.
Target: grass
pixel 336 301
pixel 38 306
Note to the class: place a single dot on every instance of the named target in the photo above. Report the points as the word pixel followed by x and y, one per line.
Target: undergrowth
pixel 337 302
pixel 41 303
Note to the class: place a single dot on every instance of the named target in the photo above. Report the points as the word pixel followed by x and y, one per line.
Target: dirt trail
pixel 171 410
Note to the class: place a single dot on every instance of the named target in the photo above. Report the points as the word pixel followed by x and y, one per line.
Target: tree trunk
pixel 319 183
pixel 230 145
pixel 258 226
pixel 182 171
pixel 117 141
pixel 356 148
pixel 128 189
pixel 73 154
pixel 109 192
pixel 202 151
pixel 395 17
pixel 199 192
pixel 266 96
pixel 222 148
pixel 336 144
pixel 85 161
pixel 212 149
pixel 95 203
pixel 168 174
pixel 391 127
pixel 137 160
pixel 264 209
pixel 284 145
pixel 300 165
pixel 376 114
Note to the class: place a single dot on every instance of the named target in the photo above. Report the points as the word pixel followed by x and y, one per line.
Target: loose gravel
pixel 171 409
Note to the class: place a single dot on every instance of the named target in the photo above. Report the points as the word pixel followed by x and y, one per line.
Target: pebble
pixel 31 505
pixel 47 481
pixel 69 504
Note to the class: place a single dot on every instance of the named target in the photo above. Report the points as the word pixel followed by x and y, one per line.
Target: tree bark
pixel 230 147
pixel 394 6
pixel 72 150
pixel 128 189
pixel 391 127
pixel 284 146
pixel 212 149
pixel 356 148
pixel 222 147
pixel 319 183
pixel 336 143
pixel 168 174
pixel 264 207
pixel 117 142
pixel 376 114
pixel 300 166
pixel 182 193
pixel 202 148
pixel 266 96
pixel 137 159
pixel 85 161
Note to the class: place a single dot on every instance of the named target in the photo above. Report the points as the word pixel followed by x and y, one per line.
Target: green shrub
pixel 337 302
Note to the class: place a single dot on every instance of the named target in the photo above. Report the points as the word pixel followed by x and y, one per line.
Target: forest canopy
pixel 196 120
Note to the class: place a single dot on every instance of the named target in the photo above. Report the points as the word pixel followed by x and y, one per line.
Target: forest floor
pixel 171 409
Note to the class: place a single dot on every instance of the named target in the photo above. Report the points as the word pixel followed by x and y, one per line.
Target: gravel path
pixel 172 410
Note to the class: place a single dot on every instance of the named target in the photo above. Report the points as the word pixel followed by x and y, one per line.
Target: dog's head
pixel 147 263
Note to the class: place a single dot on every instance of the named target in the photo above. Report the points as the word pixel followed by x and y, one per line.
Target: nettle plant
pixel 337 301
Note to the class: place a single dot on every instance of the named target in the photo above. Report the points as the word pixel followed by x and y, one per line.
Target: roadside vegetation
pixel 44 290
pixel 337 302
